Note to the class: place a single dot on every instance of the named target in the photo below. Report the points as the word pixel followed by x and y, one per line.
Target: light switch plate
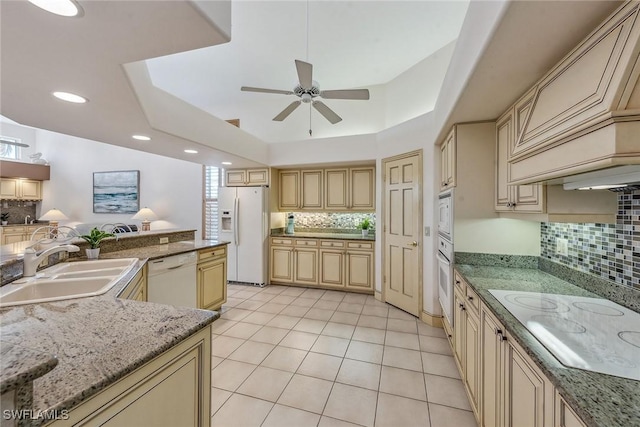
pixel 427 231
pixel 562 246
pixel 164 240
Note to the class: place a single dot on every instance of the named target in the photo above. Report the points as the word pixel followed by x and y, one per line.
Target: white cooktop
pixel 586 333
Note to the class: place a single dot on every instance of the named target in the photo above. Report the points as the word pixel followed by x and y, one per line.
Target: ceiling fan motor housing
pixel 313 91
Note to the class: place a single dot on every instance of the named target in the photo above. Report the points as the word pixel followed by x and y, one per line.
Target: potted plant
pixel 94 238
pixel 365 225
pixel 5 217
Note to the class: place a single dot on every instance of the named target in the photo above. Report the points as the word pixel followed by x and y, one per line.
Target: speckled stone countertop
pixel 332 236
pixel 600 400
pixel 96 340
pixel 161 251
pixel 20 365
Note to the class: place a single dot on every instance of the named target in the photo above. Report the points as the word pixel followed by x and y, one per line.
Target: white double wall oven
pixel 445 253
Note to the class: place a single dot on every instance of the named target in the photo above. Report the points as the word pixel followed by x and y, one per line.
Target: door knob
pixel 414 243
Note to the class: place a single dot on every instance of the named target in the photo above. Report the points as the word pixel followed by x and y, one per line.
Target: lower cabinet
pixel 136 289
pixel 211 279
pixel 172 389
pixel 505 387
pixel 331 264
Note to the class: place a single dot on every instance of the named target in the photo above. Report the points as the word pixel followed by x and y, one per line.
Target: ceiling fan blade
pixel 284 113
pixel 305 74
pixel 259 89
pixel 345 94
pixel 327 112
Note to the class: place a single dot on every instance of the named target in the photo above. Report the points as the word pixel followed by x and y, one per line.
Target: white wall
pixel 497 236
pixel 171 188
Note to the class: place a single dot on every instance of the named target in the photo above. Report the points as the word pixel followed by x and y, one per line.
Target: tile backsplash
pixel 18 210
pixel 611 251
pixel 347 221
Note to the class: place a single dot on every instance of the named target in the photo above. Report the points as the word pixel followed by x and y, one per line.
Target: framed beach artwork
pixel 116 192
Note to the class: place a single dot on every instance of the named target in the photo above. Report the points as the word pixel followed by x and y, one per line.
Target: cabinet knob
pixel 457 282
pixel 470 298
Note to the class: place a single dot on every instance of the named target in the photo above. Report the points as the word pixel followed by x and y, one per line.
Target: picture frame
pixel 116 192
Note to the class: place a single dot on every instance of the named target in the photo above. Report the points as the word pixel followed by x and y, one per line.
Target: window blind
pixel 212 182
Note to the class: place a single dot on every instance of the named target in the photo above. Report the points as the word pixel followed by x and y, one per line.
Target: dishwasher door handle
pixel 176 266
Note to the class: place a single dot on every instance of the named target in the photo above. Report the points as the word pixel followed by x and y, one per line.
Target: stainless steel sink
pixel 67 281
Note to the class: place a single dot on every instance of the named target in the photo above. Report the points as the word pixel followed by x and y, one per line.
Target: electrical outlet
pixel 164 240
pixel 562 246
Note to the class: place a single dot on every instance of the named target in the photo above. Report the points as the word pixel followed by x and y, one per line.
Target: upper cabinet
pixel 583 114
pixel 350 189
pixel 246 177
pixel 20 189
pixel 448 161
pixel 344 189
pixel 513 198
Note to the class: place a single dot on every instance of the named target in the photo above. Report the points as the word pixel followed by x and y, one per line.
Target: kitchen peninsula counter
pixel 600 400
pixel 96 341
pixel 164 250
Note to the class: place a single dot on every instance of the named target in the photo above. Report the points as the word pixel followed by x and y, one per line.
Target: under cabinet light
pixel 141 137
pixel 227 163
pixel 67 8
pixel 191 151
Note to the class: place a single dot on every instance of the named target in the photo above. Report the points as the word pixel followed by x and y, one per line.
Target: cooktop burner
pixel 594 334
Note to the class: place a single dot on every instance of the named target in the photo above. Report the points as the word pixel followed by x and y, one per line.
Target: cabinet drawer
pixel 459 283
pixel 473 300
pixel 212 253
pixel 306 243
pixel 360 245
pixel 279 241
pixel 332 244
pixel 13 229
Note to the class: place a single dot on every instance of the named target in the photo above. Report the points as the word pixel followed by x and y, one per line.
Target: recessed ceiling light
pixel 59 7
pixel 141 137
pixel 70 97
pixel 226 163
pixel 191 151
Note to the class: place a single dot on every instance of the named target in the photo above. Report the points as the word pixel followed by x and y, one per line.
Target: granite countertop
pixel 96 341
pixel 320 235
pixel 165 250
pixel 600 400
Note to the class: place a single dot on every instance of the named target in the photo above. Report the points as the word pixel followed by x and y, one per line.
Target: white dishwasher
pixel 172 280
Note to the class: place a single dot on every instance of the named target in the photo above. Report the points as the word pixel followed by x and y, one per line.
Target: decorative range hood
pixel 584 114
pixel 621 178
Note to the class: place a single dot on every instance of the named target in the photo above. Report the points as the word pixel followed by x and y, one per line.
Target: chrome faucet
pixel 31 259
pixel 26 219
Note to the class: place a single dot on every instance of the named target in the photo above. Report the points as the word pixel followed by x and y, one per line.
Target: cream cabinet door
pixel 448 161
pixel 458 330
pixel 212 284
pixel 492 347
pixel 312 189
pixel 30 189
pixel 235 178
pixel 359 270
pixel 504 140
pixel 332 267
pixel 306 266
pixel 281 264
pixel 336 187
pixel 362 189
pixel 525 392
pixel 289 190
pixel 9 189
pixel 257 177
pixel 472 357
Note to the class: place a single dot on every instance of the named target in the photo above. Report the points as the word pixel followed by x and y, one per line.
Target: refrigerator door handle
pixel 236 203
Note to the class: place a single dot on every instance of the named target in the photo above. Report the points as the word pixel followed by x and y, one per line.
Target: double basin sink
pixel 67 280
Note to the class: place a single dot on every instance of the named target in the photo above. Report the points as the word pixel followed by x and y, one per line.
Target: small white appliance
pixel 445 277
pixel 290 224
pixel 244 222
pixel 445 214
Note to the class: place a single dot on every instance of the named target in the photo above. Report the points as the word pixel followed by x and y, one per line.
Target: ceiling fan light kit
pixel 307 90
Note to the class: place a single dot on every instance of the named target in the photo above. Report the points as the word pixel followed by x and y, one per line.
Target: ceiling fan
pixel 307 90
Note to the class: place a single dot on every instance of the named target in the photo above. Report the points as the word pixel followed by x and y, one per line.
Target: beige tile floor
pixel 295 357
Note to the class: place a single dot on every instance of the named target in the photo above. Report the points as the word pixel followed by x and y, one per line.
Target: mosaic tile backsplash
pixel 611 251
pixel 347 221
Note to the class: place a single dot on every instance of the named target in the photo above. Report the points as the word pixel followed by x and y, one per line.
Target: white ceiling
pixel 351 44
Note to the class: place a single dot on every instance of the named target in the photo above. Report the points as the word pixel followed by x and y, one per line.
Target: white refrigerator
pixel 244 221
